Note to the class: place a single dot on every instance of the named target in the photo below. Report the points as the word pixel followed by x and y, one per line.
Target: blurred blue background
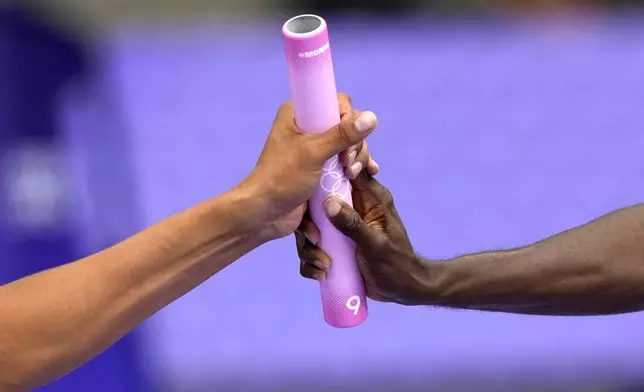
pixel 501 123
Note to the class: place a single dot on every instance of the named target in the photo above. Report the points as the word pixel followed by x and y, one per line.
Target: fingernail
pixel 352 156
pixel 375 168
pixel 320 276
pixel 332 207
pixel 366 122
pixel 312 237
pixel 321 265
pixel 356 169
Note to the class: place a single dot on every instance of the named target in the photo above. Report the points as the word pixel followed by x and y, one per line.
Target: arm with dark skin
pixel 594 269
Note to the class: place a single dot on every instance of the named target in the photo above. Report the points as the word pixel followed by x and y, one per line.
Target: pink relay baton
pixel 315 102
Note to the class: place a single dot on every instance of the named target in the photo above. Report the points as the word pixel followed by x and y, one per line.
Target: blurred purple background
pixel 495 131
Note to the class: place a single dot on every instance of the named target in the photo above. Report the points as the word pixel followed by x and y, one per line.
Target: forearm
pixel 56 320
pixel 594 269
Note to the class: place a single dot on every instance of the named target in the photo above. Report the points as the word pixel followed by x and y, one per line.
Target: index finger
pixel 285 113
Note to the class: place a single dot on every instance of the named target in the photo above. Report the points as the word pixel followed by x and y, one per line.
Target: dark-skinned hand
pixel 389 266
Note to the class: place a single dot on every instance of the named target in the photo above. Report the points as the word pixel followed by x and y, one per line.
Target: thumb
pixel 346 134
pixel 347 221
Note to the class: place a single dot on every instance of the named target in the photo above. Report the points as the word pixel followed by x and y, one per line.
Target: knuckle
pixel 345 133
pixel 285 115
pixel 345 96
pixel 307 254
pixel 303 253
pixel 300 248
pixel 387 198
pixel 354 224
pixel 304 270
pixel 285 107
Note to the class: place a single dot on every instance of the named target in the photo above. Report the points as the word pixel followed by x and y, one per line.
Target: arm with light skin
pixel 56 320
pixel 594 269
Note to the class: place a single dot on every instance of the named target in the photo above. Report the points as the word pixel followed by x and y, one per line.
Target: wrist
pixel 426 288
pixel 478 281
pixel 247 211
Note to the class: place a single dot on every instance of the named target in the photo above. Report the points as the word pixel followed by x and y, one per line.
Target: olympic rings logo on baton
pixel 340 186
